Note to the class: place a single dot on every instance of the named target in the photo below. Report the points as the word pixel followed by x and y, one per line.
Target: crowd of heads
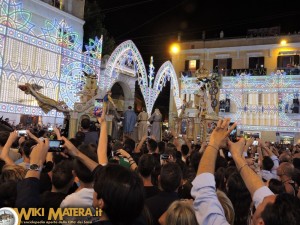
pixel 146 182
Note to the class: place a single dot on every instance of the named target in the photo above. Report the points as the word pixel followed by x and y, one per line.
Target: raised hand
pixel 70 148
pixel 39 152
pixel 219 136
pixel 237 148
pixel 249 142
pixel 13 136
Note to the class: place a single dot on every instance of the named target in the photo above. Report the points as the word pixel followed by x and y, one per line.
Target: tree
pixel 94 26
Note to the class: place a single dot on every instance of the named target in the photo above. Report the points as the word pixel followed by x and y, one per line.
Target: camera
pixel 22 133
pixel 164 156
pixel 98 107
pixel 56 145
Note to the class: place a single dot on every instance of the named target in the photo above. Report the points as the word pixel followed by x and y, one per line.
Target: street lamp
pixel 283 42
pixel 175 48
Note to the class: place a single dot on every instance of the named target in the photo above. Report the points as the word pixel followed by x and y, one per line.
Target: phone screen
pixel 233 133
pixel 22 133
pixel 55 145
pixel 98 107
pixel 255 143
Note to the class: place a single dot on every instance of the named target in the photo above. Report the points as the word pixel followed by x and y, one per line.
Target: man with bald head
pixel 285 173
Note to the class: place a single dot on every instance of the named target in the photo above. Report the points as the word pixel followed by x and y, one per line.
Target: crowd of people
pixel 153 181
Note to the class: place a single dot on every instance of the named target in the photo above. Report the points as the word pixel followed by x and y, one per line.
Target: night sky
pixel 154 24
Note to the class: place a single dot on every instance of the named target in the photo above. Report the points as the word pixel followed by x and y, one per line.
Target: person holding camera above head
pixel 117 191
pixel 7 138
pixel 270 209
pixel 269 161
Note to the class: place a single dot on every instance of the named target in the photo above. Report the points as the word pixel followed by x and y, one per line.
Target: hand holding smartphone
pixel 256 156
pixel 98 107
pixel 56 145
pixel 22 133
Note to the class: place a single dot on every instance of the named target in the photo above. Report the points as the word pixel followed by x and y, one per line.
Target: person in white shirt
pixel 282 209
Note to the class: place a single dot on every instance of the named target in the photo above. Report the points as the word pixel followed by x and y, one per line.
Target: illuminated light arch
pixel 41 82
pixel 279 83
pixel 12 81
pixel 124 49
pixel 71 75
pixel 166 73
pixel 13 15
pixel 22 79
pixel 61 34
pixel 94 48
pixel 284 119
pixel 236 98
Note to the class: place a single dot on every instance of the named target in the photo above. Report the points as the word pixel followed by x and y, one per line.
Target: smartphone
pixel 256 157
pixel 255 143
pixel 55 145
pixel 22 133
pixel 98 107
pixel 229 155
pixel 164 156
pixel 50 129
pixel 233 133
pixel 180 135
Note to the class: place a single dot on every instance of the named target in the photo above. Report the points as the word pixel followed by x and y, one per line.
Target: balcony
pixel 234 72
pixel 290 70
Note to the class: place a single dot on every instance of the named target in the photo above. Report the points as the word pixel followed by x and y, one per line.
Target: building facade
pixel 260 81
pixel 41 43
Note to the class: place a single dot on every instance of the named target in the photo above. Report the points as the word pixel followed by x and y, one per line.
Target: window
pixel 287 61
pixel 256 62
pixel 222 66
pixel 192 64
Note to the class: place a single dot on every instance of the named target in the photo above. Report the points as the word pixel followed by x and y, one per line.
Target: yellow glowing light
pixel 283 42
pixel 174 48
